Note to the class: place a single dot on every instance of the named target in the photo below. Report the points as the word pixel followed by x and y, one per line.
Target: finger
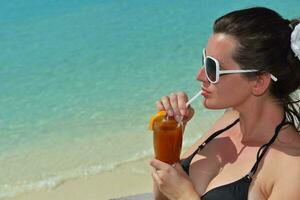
pixel 180 170
pixel 174 104
pixel 159 105
pixel 159 165
pixel 178 167
pixel 166 103
pixel 190 112
pixel 182 100
pixel 155 177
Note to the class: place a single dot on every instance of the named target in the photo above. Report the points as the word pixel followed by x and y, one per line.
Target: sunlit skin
pixel 230 156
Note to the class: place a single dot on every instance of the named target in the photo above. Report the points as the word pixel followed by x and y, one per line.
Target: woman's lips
pixel 204 93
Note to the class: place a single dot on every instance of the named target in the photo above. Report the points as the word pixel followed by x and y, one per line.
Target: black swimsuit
pixel 237 190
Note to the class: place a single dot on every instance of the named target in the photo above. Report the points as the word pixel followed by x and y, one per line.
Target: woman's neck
pixel 258 120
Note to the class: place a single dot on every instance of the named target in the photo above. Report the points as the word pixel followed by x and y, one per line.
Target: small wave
pixel 7 190
pixel 12 190
pixel 142 154
pixel 93 170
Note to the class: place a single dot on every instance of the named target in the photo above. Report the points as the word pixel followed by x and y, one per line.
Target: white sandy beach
pixel 127 179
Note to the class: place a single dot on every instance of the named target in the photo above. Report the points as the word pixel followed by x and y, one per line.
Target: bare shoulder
pixel 286 162
pixel 224 120
pixel 287 144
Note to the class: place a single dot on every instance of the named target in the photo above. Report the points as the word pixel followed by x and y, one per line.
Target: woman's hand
pixel 175 105
pixel 172 181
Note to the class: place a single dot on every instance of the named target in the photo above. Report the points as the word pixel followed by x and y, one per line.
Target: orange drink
pixel 167 138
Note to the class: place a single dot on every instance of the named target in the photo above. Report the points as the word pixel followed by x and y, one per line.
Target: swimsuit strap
pixel 215 134
pixel 186 162
pixel 263 149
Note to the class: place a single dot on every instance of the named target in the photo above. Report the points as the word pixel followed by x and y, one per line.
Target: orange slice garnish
pixel 157 117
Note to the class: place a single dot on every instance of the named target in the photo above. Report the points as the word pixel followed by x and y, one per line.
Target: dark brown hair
pixel 264 43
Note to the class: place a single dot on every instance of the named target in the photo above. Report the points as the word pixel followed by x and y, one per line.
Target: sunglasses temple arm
pixel 235 71
pixel 243 71
pixel 273 78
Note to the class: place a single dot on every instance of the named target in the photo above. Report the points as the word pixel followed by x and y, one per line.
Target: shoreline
pixel 125 180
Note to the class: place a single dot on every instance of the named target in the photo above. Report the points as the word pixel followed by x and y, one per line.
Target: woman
pixel 253 151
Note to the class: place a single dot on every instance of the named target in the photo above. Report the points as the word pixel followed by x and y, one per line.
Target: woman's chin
pixel 209 104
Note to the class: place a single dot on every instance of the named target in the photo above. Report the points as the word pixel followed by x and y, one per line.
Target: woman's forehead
pixel 220 44
pixel 221 47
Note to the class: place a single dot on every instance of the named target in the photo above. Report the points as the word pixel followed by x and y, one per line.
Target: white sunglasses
pixel 213 72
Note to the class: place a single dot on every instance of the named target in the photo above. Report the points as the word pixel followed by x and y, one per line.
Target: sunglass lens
pixel 211 69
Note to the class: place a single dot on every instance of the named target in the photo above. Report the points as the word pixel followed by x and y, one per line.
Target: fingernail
pixel 170 113
pixel 182 111
pixel 178 118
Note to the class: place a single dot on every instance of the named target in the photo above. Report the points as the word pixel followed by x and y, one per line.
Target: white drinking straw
pixel 193 98
pixel 189 102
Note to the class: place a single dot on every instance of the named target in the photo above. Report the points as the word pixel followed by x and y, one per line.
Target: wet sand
pixel 127 179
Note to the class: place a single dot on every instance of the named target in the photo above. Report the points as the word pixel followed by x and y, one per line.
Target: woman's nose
pixel 201 75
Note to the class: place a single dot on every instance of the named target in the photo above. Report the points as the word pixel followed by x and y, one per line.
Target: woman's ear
pixel 261 84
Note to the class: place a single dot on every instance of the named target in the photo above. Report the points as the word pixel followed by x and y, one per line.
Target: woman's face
pixel 232 89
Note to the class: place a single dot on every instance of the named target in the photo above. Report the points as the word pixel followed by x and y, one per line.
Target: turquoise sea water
pixel 78 81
